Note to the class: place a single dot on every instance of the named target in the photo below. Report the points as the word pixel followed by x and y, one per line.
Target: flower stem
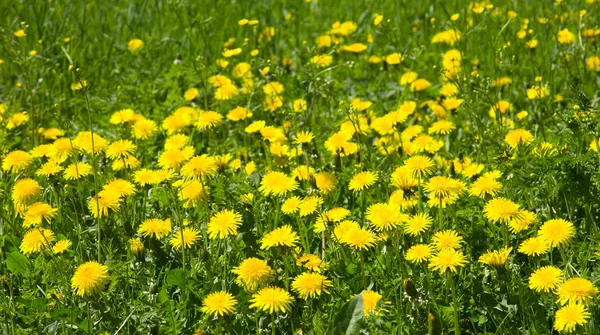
pixel 454 303
pixel 362 270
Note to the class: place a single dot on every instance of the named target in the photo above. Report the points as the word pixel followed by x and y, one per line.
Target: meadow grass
pixel 299 167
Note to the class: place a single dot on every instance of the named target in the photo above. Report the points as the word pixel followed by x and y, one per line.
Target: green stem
pixel 454 303
pixel 362 270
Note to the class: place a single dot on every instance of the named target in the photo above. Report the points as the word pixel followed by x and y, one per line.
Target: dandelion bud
pixel 409 287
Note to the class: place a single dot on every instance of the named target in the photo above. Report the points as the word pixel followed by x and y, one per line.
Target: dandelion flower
pixel 120 149
pixel 223 224
pixel 534 246
pixel 304 137
pixel 362 180
pixel 384 216
pixel 155 227
pixel 358 237
pixel 25 190
pixel 200 167
pixel 447 259
pixel 277 183
pixel 557 232
pixel 495 258
pixel 272 299
pixel 219 304
pixel 311 262
pixel 61 246
pixel 121 187
pixel 136 246
pixel 575 290
pixel 190 236
pixel 501 210
pixel 90 278
pixel 143 129
pixel 291 205
pixel 77 170
pixel 370 301
pixel 417 224
pixel 545 278
pixel 419 166
pixel 325 181
pixel 447 239
pixel 283 236
pixel 16 161
pixel 36 240
pixel 309 205
pixel 522 221
pixel 38 212
pixel 310 284
pixel 419 253
pixel 485 185
pixel 252 272
pixel 568 317
pixel 105 201
pixel 517 136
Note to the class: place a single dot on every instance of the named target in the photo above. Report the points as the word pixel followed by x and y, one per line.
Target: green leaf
pixel 17 262
pixel 346 321
pixel 176 277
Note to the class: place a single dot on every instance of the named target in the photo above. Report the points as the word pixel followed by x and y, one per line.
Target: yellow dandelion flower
pixel 36 240
pixel 495 258
pixel 557 232
pixel 419 253
pixel 90 278
pixel 447 259
pixel 272 299
pixel 155 227
pixel 189 238
pixel 362 180
pixel 310 284
pixel 219 304
pixel 534 246
pixel 283 236
pixel 545 279
pixel 576 290
pixel 252 272
pixel 223 224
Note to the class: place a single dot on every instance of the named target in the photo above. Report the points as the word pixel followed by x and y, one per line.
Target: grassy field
pixel 299 167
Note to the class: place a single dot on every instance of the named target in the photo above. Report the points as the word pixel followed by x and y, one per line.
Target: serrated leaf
pixel 16 262
pixel 176 277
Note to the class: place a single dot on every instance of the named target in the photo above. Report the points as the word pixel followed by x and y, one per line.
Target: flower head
pixel 568 317
pixel 219 303
pixel 419 253
pixel 252 272
pixel 36 240
pixel 575 290
pixel 495 258
pixel 283 236
pixel 501 210
pixel 224 224
pixel 277 183
pixel 545 278
pixel 272 299
pixel 187 238
pixel 155 227
pixel 384 216
pixel 447 239
pixel 362 180
pixel 447 259
pixel 557 232
pixel 310 284
pixel 90 278
pixel 534 246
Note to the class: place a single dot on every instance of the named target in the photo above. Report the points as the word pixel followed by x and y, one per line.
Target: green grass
pixel 161 291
